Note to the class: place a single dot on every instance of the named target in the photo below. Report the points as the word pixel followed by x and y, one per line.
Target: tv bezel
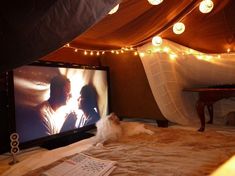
pixel 47 141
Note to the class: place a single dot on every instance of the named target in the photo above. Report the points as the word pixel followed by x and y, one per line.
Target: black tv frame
pixel 60 139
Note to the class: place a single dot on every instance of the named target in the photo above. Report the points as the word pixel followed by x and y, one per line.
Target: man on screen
pixel 59 95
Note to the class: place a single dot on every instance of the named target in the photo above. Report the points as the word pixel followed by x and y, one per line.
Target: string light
pixel 155 2
pixel 114 10
pixel 152 50
pixel 157 41
pixel 178 28
pixel 99 52
pixel 173 56
pixel 206 6
pixel 142 54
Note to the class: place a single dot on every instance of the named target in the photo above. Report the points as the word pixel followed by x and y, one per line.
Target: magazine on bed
pixel 82 165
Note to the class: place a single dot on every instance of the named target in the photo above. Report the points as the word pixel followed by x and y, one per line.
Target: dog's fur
pixel 110 128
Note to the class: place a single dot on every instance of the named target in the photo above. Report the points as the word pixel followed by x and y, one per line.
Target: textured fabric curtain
pixel 172 67
pixel 33 28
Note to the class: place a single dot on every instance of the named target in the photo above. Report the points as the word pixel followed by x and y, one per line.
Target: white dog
pixel 110 128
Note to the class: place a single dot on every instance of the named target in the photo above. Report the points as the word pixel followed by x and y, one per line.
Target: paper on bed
pixel 83 165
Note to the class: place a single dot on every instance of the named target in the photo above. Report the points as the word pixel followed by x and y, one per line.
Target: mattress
pixel 169 151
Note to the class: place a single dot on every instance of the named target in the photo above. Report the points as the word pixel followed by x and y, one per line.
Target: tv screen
pixel 54 99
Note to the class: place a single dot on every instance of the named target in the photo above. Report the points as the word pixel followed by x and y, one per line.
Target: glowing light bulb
pixel 208 57
pixel 157 50
pixel 206 6
pixel 200 57
pixel 135 53
pixel 114 10
pixel 173 56
pixel 76 50
pixel 149 51
pixel 85 52
pixel 166 49
pixel 157 41
pixel 178 28
pixel 155 2
pixel 142 54
pixel 228 50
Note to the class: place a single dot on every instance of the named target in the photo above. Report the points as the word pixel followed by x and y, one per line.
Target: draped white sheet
pixel 167 77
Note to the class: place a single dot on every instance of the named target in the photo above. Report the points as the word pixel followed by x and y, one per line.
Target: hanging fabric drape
pixel 33 29
pixel 172 67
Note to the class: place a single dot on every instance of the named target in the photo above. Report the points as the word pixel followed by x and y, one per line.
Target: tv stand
pixel 66 140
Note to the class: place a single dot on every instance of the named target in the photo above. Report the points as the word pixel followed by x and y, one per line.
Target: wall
pixel 131 95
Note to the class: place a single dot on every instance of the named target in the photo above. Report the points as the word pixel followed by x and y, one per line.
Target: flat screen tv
pixel 54 101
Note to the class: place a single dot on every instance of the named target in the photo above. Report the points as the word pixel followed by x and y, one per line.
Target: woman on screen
pixel 87 103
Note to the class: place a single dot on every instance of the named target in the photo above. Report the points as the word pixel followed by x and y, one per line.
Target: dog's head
pixel 113 118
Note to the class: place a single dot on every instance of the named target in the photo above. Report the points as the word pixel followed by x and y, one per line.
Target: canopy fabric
pixel 171 70
pixel 136 22
pixel 34 28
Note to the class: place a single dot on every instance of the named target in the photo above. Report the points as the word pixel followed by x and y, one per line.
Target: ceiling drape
pixel 136 22
pixel 31 29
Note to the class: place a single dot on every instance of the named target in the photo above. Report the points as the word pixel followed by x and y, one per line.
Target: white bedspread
pixel 174 151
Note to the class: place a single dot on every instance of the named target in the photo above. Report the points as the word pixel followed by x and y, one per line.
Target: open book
pixel 82 165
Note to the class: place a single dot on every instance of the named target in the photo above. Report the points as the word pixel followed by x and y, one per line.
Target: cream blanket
pixel 168 152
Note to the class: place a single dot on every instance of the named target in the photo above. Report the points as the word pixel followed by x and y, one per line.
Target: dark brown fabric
pixel 136 22
pixel 33 28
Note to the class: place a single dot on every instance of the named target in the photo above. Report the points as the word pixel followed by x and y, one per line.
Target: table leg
pixel 210 110
pixel 200 110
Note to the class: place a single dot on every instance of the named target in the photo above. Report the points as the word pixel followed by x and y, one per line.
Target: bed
pixel 173 151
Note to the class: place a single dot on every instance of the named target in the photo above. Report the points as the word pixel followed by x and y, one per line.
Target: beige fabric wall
pixel 189 68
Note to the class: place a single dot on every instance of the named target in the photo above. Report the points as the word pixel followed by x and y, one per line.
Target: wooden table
pixel 208 96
